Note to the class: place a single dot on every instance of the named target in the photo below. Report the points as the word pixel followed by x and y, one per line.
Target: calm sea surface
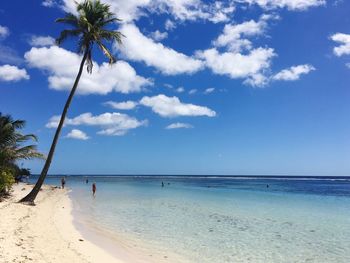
pixel 223 219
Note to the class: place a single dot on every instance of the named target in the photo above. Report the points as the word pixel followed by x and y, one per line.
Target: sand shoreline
pixel 45 232
pixel 52 232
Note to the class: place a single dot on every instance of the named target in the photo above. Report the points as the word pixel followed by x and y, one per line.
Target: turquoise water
pixel 224 219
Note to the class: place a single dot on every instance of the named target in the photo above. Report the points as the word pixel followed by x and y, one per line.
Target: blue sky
pixel 201 87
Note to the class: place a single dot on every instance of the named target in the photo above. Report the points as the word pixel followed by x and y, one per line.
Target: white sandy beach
pixel 45 232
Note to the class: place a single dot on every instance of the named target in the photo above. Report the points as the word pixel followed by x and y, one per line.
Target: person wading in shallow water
pixel 63 182
pixel 93 189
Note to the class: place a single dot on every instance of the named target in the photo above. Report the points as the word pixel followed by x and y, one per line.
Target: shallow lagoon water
pixel 223 219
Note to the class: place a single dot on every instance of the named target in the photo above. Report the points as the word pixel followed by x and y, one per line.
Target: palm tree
pixel 90 27
pixel 11 143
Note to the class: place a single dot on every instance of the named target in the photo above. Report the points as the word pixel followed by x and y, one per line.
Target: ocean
pixel 217 219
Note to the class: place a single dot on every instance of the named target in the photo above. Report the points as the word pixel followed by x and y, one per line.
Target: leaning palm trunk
pixel 32 195
pixel 90 27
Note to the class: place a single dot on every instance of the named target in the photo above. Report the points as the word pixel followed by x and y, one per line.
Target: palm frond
pixel 11 141
pixel 106 52
pixel 28 152
pixel 27 137
pixel 65 34
pixel 69 19
pixel 111 35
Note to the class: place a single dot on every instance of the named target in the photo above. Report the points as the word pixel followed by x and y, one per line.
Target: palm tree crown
pixel 90 26
pixel 12 140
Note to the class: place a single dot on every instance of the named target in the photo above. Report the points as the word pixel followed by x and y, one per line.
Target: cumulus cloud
pixel 138 47
pixel 344 44
pixel 234 36
pixel 77 134
pixel 12 73
pixel 62 65
pixel 218 11
pixel 125 10
pixel 173 107
pixel 158 36
pixel 289 4
pixel 240 60
pixel 41 41
pixel 182 10
pixel 293 73
pixel 236 65
pixel 192 10
pixel 114 124
pixel 178 125
pixel 4 32
pixel 125 105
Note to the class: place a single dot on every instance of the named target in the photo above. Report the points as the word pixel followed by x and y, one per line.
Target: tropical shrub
pixel 13 148
pixel 6 180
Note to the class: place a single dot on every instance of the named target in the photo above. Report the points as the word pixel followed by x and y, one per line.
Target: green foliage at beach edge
pixel 6 180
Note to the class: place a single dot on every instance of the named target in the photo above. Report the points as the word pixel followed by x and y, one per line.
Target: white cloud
pixel 234 36
pixel 179 9
pixel 249 66
pixel 240 59
pixel 77 134
pixel 62 66
pixel 125 10
pixel 41 41
pixel 192 91
pixel 4 32
pixel 178 125
pixel 347 65
pixel 54 121
pixel 12 73
pixel 125 105
pixel 193 10
pixel 293 73
pixel 169 25
pixel 173 107
pixel 180 89
pixel 209 90
pixel 158 36
pixel 257 80
pixel 344 44
pixel 338 2
pixel 48 3
pixel 138 47
pixel 289 4
pixel 111 123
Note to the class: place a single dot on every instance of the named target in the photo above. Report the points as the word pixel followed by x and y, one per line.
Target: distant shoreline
pixel 296 177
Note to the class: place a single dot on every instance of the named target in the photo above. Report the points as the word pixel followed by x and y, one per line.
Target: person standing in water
pixel 94 189
pixel 63 182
